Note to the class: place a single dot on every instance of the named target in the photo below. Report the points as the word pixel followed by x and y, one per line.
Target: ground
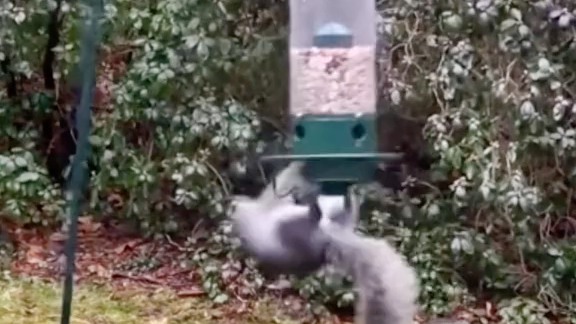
pixel 34 301
pixel 121 279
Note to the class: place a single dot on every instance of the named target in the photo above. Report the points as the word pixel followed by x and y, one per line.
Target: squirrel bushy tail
pixel 386 286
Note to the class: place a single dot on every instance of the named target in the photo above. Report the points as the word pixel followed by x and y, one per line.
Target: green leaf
pixel 194 23
pixel 517 14
pixel 27 177
pixel 225 46
pixel 507 24
pixel 191 41
pixel 96 140
pixel 20 161
pixel 221 298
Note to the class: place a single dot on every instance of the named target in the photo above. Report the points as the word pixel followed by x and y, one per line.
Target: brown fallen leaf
pixel 490 309
pixel 35 254
pixel 56 243
pixel 85 219
pixel 116 201
pixel 86 224
pixel 99 270
pixel 216 313
pixel 130 245
pixel 465 316
pixel 58 237
pixel 242 309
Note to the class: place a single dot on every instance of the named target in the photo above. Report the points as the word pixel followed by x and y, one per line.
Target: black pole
pixel 78 175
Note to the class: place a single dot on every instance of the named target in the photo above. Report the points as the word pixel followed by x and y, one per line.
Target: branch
pixel 11 86
pixel 53 30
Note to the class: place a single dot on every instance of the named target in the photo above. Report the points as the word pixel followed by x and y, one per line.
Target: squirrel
pixel 281 230
pixel 288 235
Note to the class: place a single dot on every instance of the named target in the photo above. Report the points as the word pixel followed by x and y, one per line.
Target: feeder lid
pixel 333 28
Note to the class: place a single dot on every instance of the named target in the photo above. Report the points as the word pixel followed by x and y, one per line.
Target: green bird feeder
pixel 333 92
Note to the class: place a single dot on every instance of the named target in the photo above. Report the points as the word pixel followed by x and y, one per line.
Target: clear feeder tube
pixel 332 57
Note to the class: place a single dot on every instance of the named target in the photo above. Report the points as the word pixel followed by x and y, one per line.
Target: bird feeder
pixel 333 91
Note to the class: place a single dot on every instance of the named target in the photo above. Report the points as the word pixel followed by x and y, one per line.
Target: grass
pixel 32 301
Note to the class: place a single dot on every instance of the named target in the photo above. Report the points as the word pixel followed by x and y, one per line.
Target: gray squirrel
pixel 291 238
pixel 281 230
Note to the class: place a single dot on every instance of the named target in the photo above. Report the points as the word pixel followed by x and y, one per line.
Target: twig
pixel 220 178
pixel 137 278
pixel 178 246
